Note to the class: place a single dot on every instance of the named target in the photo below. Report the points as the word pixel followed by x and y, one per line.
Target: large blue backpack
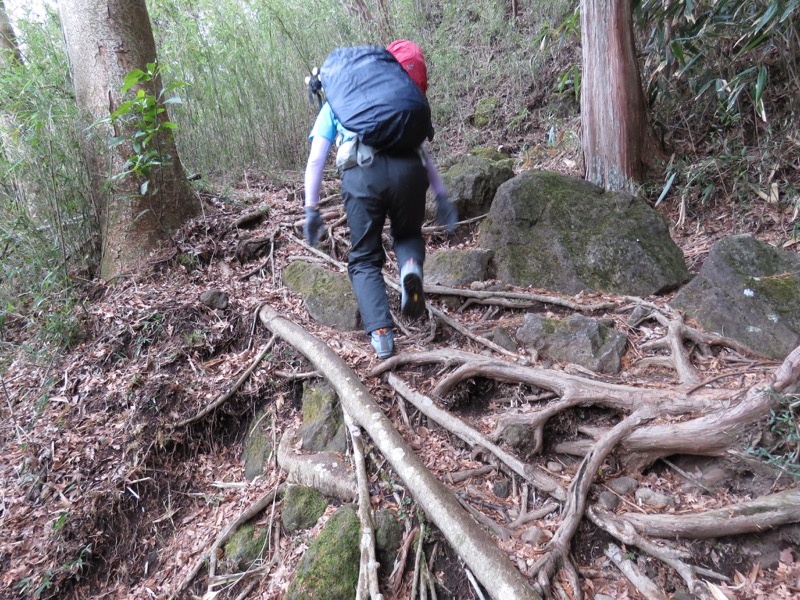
pixel 372 96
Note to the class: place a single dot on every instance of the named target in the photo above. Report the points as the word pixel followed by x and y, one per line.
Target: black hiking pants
pixel 393 185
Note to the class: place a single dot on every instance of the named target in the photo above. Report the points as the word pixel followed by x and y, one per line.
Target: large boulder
pixel 473 181
pixel 327 296
pixel 750 292
pixel 568 235
pixel 580 340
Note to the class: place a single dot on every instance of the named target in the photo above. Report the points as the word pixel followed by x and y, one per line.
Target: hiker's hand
pixel 313 224
pixel 446 214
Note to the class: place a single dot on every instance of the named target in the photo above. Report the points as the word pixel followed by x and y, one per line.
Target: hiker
pixel 376 183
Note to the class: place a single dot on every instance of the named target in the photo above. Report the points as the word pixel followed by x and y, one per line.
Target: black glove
pixel 313 224
pixel 446 214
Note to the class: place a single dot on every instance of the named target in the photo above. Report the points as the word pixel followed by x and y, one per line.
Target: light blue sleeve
pixel 326 124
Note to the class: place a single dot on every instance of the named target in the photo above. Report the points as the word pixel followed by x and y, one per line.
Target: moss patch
pixel 244 548
pixel 329 569
pixel 302 507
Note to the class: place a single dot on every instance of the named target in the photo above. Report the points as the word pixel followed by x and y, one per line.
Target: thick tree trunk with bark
pixel 9 49
pixel 105 41
pixel 613 110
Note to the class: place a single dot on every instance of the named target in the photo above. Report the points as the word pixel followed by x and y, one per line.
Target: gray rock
pixel 533 535
pixel 503 338
pixel 517 436
pixel 329 568
pixel 623 485
pixel 323 422
pixel 257 447
pixel 602 597
pixel 457 267
pixel 608 500
pixel 327 296
pixel 568 235
pixel 578 339
pixel 555 467
pixel 684 595
pixel 302 507
pixel 473 182
pixel 501 488
pixel 647 497
pixel 215 299
pixel 750 292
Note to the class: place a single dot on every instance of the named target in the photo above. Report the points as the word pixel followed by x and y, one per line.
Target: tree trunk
pixel 105 41
pixel 613 109
pixel 9 49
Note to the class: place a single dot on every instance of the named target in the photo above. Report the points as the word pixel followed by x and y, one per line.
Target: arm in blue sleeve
pixel 314 168
pixel 434 179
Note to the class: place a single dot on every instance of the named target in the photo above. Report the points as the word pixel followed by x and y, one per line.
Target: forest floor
pixel 106 495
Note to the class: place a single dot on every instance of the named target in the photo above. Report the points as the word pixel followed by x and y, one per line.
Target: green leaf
pixel 143 187
pixel 169 125
pixel 132 79
pixel 173 100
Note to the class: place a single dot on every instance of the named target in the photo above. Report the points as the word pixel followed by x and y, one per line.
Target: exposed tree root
pixel 535 475
pixel 324 471
pixel 368 571
pixel 640 581
pixel 751 516
pixel 558 547
pixel 491 566
pixel 673 557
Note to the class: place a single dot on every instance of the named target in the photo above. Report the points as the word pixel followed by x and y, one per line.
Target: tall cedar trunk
pixel 106 39
pixel 613 110
pixel 8 41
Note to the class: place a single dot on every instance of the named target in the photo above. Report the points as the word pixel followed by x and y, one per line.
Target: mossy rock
pixel 748 291
pixel 243 548
pixel 472 183
pixel 457 266
pixel 578 339
pixel 388 537
pixel 257 447
pixel 323 421
pixel 302 507
pixel 567 235
pixel 327 296
pixel 329 568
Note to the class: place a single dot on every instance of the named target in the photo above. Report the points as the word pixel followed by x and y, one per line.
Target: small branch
pixel 253 510
pixel 230 393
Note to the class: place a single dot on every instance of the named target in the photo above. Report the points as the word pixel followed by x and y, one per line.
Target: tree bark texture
pixel 106 39
pixel 613 109
pixel 9 49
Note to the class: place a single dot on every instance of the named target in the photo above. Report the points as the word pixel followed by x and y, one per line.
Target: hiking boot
pixel 383 341
pixel 412 302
